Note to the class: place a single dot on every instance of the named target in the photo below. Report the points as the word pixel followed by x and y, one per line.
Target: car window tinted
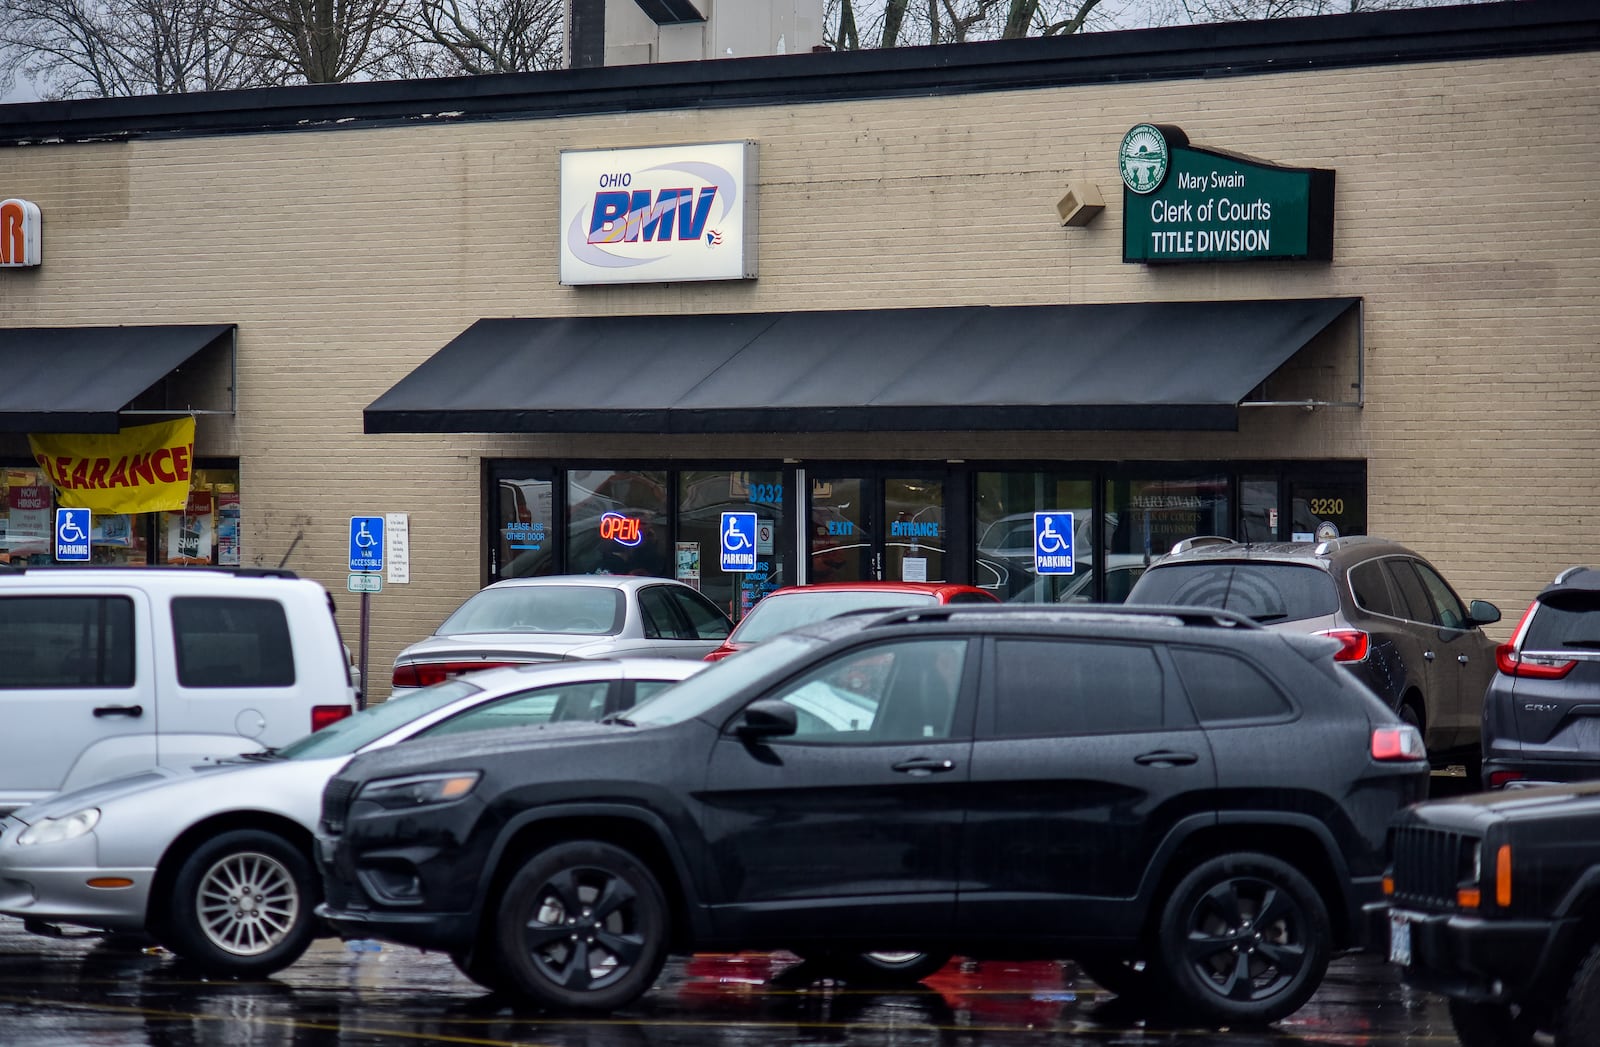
pixel 1053 687
pixel 785 611
pixel 1267 592
pixel 720 681
pixel 66 641
pixel 1370 590
pixel 224 641
pixel 660 623
pixel 643 690
pixel 1571 622
pixel 579 610
pixel 1417 606
pixel 1222 687
pixel 705 621
pixel 886 693
pixel 1447 608
pixel 584 701
pixel 346 736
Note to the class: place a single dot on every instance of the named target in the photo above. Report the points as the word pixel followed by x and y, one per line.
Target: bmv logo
pixel 640 216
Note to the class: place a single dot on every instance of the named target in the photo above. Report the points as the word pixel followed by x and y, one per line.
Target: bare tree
pixel 456 37
pixel 320 41
pixel 898 23
pixel 94 48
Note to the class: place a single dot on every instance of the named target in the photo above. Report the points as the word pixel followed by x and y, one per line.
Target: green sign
pixel 1184 204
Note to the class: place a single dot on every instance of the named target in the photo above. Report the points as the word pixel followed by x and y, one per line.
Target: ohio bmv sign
pixel 670 213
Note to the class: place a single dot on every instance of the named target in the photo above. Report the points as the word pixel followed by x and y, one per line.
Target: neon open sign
pixel 624 530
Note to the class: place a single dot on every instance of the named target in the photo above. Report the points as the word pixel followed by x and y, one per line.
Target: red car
pixel 797 605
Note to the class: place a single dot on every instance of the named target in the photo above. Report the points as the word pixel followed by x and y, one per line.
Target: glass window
pixel 705 621
pixel 230 642
pixel 703 496
pixel 1222 687
pixel 1371 590
pixel 660 623
pixel 1050 687
pixel 1151 516
pixel 343 737
pixel 1447 608
pixel 1005 504
pixel 1258 509
pixel 66 641
pixel 1342 503
pixel 914 530
pixel 580 610
pixel 206 531
pixel 1565 621
pixel 888 693
pixel 525 528
pixel 619 522
pixel 841 536
pixel 573 701
pixel 1265 592
pixel 643 690
pixel 1417 606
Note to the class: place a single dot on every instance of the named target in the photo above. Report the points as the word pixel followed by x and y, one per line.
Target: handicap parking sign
pixel 738 541
pixel 1052 543
pixel 366 543
pixel 72 535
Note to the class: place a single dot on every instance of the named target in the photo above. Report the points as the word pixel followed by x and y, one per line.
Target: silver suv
pixel 1404 631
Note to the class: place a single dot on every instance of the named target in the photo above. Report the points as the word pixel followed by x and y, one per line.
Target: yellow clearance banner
pixel 144 469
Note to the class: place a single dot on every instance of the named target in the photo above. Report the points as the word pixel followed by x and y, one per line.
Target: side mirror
pixel 1482 612
pixel 767 718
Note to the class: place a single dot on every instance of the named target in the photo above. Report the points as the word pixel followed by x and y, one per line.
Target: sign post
pixel 366 563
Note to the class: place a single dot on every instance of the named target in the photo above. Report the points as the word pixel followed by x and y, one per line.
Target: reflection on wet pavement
pixel 80 992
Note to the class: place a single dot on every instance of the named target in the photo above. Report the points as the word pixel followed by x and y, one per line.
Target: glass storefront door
pixel 876 526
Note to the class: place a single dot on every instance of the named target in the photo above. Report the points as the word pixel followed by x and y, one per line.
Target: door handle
pixel 1461 658
pixel 1427 656
pixel 131 711
pixel 1166 758
pixel 923 765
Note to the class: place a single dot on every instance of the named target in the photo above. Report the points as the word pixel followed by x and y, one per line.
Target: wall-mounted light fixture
pixel 1081 205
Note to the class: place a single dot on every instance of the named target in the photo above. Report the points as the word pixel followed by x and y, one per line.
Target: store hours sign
pixel 1181 203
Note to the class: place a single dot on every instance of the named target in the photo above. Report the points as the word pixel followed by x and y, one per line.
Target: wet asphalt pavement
pixel 83 993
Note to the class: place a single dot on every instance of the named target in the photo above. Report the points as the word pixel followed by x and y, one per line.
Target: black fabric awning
pixel 1153 366
pixel 76 379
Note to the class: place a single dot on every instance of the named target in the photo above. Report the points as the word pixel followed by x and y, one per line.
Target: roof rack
pixel 1185 614
pixel 240 572
pixel 1201 540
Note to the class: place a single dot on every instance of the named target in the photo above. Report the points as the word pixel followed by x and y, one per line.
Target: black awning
pixel 76 379
pixel 1152 366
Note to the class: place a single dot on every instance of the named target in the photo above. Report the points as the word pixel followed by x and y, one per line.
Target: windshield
pixel 1267 592
pixel 780 613
pixel 707 689
pixel 346 736
pixel 578 610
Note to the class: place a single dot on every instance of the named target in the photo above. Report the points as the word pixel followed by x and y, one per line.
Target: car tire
pixel 886 970
pixel 582 926
pixel 1482 1024
pixel 1580 1018
pixel 484 970
pixel 1244 940
pixel 242 905
pixel 1133 980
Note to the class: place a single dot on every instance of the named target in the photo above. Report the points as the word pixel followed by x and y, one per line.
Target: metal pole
pixel 366 631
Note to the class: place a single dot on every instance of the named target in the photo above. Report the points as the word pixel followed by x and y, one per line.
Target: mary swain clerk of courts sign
pixel 1184 204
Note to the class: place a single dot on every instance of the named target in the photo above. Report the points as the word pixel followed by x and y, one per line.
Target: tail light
pixel 1500 779
pixel 1352 644
pixel 1530 666
pixel 323 715
pixel 426 674
pixel 1401 742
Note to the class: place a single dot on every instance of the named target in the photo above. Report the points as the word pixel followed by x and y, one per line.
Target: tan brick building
pixel 1438 373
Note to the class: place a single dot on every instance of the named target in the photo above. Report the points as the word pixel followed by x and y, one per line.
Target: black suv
pixel 1402 630
pixel 1541 713
pixel 1494 901
pixel 1191 806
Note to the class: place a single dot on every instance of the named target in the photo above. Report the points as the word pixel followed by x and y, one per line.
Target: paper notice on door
pixel 914 569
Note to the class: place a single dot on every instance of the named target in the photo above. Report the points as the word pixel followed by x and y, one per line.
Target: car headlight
pixel 419 790
pixel 55 830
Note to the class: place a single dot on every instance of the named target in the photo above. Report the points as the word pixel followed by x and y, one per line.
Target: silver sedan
pixel 216 862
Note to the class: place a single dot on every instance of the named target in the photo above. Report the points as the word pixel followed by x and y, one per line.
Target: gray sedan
pixel 563 617
pixel 216 862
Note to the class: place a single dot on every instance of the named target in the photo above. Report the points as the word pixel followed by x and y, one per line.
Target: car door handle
pixel 1461 658
pixel 923 765
pixel 1166 758
pixel 1427 656
pixel 133 711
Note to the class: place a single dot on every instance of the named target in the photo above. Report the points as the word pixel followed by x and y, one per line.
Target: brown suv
pixel 1404 631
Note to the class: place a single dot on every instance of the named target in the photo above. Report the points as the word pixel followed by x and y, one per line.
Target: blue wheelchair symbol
pixel 738 541
pixel 72 535
pixel 1052 543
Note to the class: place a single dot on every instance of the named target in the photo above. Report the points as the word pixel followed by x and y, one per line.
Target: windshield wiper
pixel 262 756
pixel 618 718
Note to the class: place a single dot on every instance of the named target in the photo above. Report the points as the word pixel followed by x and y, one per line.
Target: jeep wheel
pixel 241 905
pixel 1244 939
pixel 1580 1018
pixel 583 926
pixel 484 971
pixel 886 970
pixel 1490 1025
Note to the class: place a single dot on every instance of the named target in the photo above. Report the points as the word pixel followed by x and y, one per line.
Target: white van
pixel 109 671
